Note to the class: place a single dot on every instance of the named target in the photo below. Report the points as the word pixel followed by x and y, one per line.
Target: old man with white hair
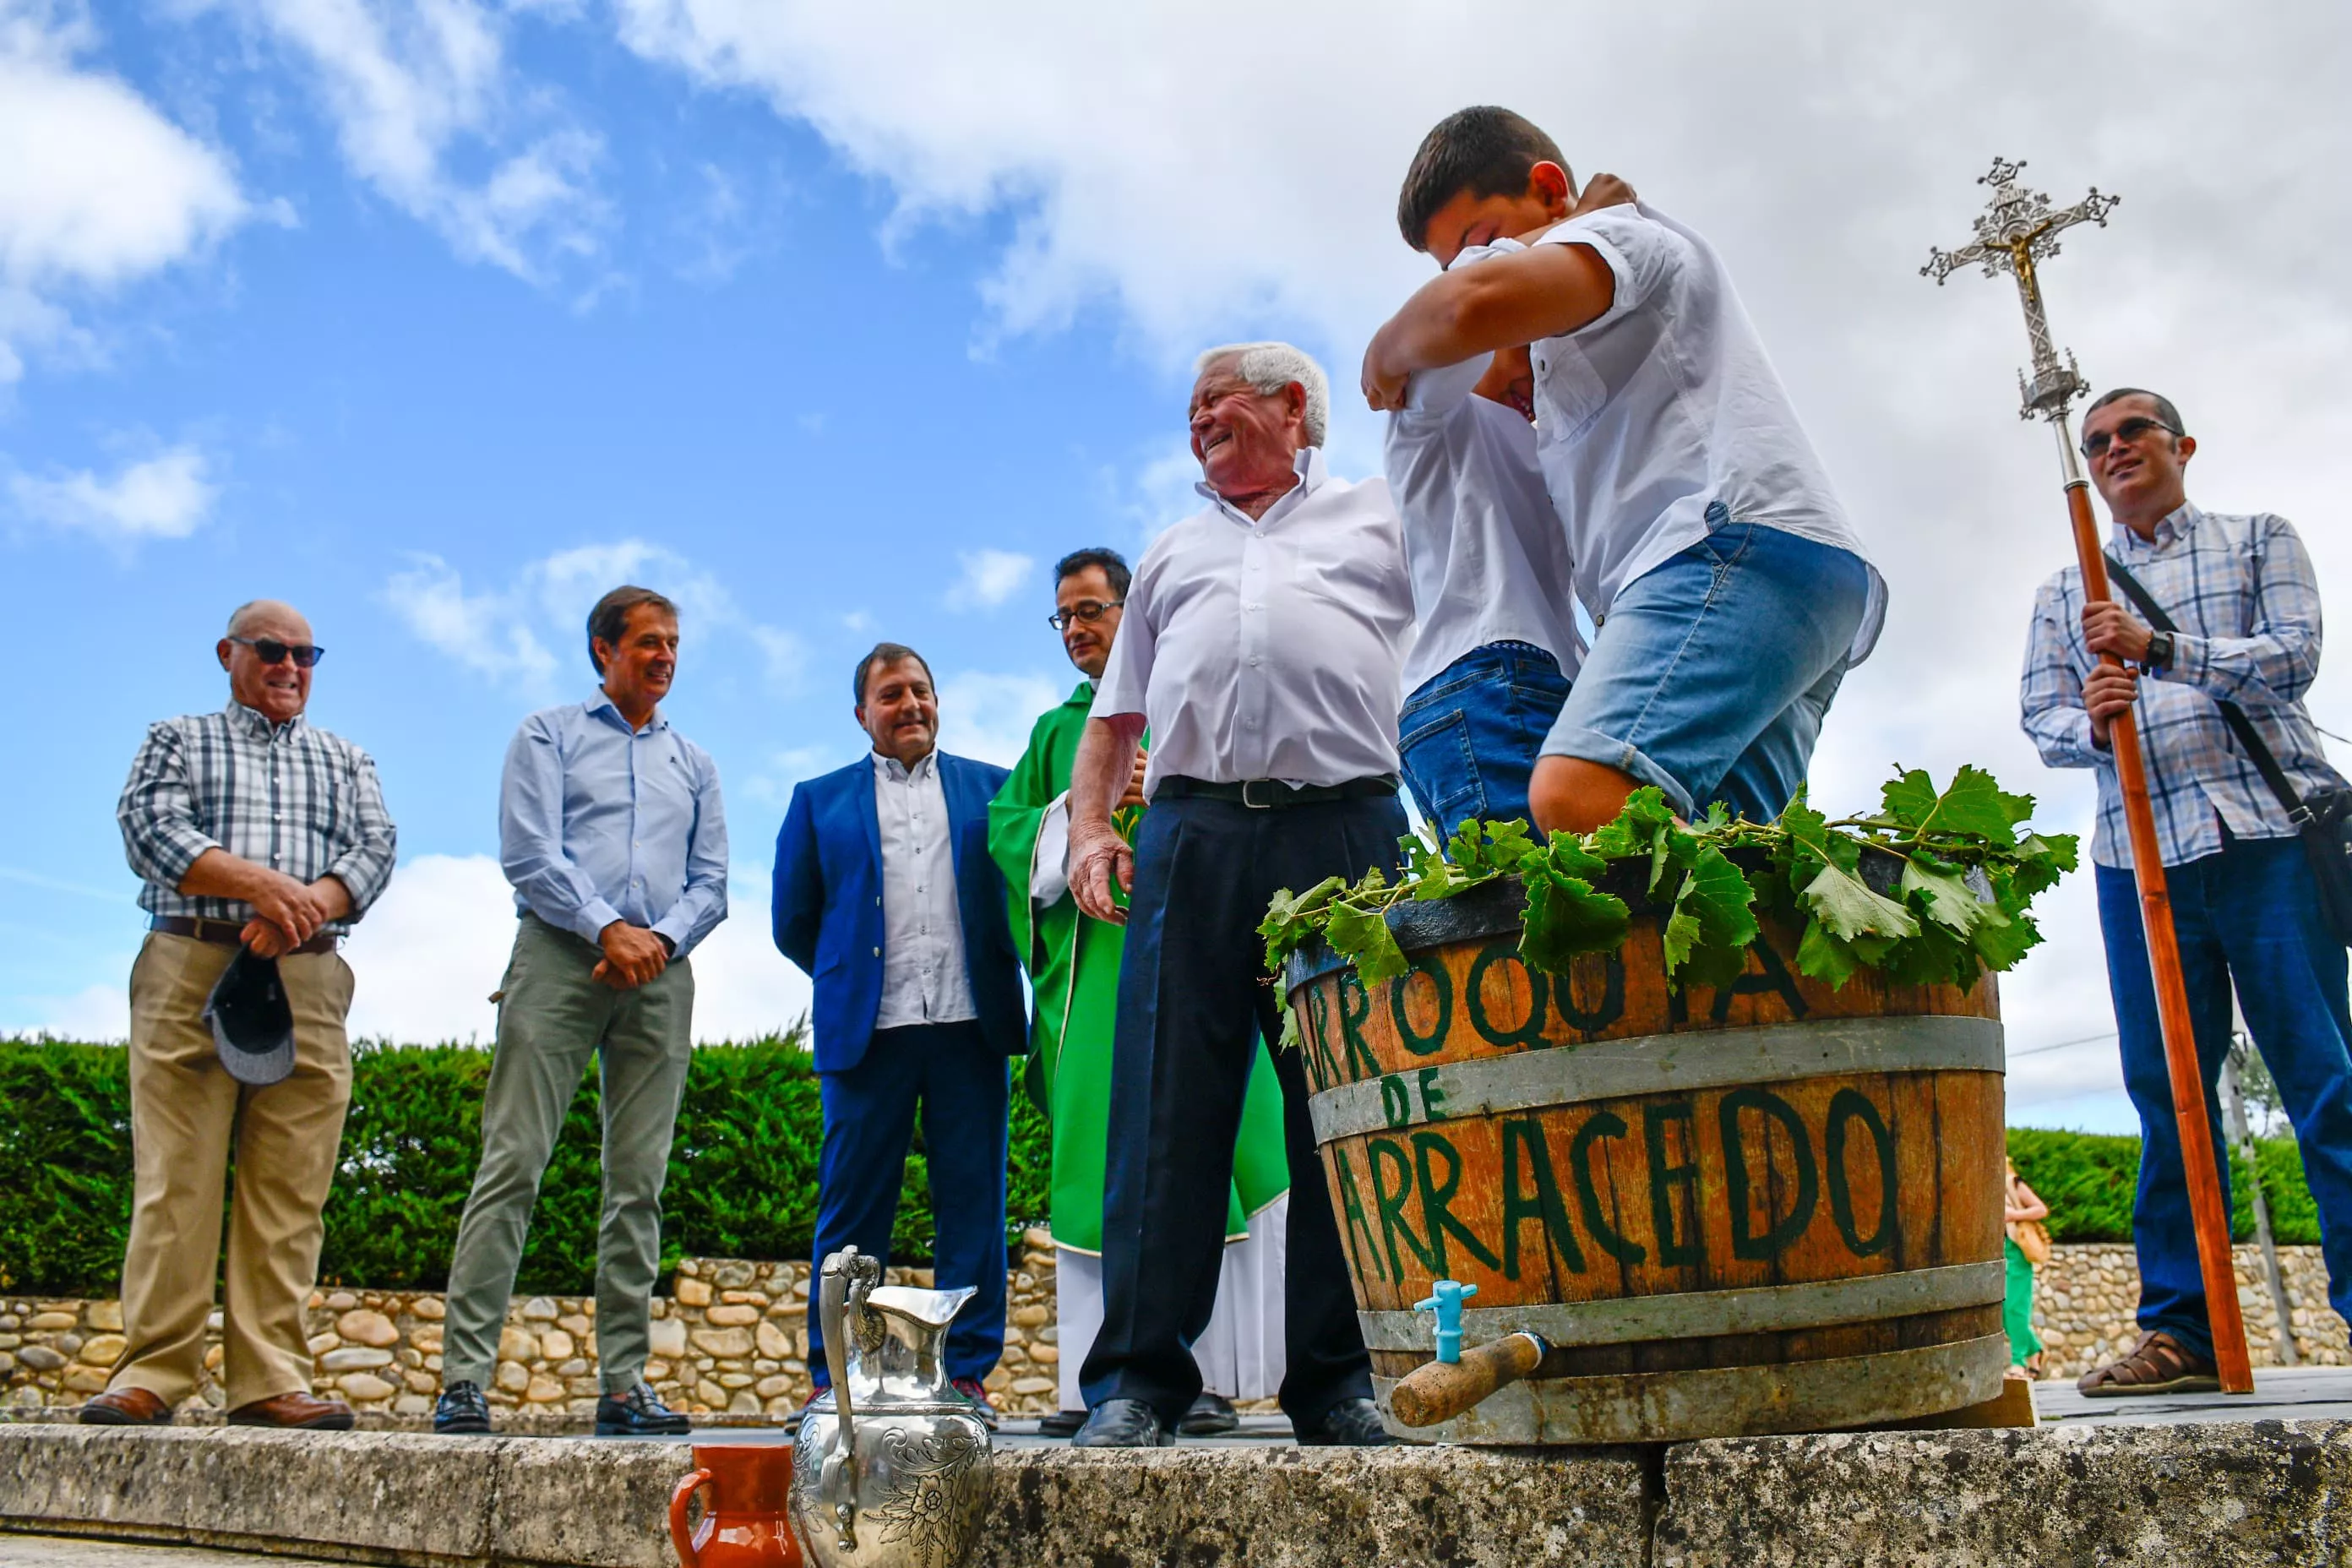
pixel 1263 644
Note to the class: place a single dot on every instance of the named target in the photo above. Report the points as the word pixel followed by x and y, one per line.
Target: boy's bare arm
pixel 1502 302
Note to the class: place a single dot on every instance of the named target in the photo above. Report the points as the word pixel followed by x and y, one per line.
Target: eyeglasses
pixel 1086 610
pixel 270 650
pixel 2129 430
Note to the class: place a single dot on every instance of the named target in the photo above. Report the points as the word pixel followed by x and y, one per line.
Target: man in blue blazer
pixel 886 896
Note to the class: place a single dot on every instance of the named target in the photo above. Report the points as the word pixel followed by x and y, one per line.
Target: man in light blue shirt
pixel 610 829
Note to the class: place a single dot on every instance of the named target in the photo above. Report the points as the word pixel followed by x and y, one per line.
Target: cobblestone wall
pixel 729 1344
pixel 2086 1298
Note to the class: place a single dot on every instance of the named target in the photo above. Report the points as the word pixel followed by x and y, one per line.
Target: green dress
pixel 1072 963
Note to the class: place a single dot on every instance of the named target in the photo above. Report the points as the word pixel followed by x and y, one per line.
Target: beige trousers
pixel 188 1117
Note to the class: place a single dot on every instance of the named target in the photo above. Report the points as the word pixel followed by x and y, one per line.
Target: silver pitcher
pixel 893 1473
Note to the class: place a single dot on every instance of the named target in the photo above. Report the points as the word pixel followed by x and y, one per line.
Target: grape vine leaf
pixel 1363 936
pixel 1947 899
pixel 1565 914
pixel 1849 910
pixel 1973 804
pixel 1290 918
pixel 1291 1038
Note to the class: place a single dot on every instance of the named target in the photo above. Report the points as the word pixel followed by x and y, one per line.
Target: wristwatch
pixel 2159 651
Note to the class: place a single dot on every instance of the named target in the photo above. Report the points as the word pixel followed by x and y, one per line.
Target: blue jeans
pixel 1709 676
pixel 2248 915
pixel 1469 735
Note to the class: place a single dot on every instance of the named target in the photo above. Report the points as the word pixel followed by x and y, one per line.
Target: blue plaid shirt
pixel 2247 602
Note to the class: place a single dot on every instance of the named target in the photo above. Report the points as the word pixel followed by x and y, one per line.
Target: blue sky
pixel 439 318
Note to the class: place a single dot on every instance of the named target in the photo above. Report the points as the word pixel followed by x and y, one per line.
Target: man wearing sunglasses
pixel 1073 962
pixel 251 830
pixel 2245 900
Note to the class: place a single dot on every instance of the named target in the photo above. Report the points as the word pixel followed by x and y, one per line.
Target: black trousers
pixel 1192 997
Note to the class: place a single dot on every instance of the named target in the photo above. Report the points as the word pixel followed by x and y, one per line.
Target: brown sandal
pixel 2158 1364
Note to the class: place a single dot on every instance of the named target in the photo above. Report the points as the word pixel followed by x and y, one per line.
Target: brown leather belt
pixel 229 933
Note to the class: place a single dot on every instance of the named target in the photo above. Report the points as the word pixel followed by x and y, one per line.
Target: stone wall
pixel 730 1345
pixel 729 1341
pixel 2086 1298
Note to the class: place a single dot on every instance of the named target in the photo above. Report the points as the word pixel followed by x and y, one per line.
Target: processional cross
pixel 2017 231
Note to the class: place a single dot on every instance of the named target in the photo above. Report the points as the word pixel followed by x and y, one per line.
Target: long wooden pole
pixel 2231 1357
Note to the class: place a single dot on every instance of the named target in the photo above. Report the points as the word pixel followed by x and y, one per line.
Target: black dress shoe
pixel 639 1413
pixel 1212 1416
pixel 1061 1424
pixel 462 1409
pixel 1351 1424
pixel 1123 1423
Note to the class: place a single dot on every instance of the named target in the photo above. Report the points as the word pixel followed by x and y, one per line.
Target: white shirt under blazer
pixel 1489 559
pixel 923 978
pixel 1269 649
pixel 1667 402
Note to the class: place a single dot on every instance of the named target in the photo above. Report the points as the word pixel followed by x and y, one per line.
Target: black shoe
pixel 1212 1416
pixel 462 1408
pixel 639 1413
pixel 1351 1424
pixel 1061 1424
pixel 1123 1423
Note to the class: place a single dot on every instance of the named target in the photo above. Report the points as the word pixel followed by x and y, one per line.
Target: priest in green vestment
pixel 1073 963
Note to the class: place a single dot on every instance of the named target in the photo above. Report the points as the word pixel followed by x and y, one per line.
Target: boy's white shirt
pixel 1488 558
pixel 1667 402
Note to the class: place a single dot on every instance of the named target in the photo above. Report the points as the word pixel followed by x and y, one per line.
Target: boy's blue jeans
pixel 2249 914
pixel 1469 735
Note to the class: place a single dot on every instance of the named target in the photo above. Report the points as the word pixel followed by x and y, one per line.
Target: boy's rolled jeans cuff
pixel 1593 747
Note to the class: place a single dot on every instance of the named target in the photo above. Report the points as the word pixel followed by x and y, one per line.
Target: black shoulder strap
pixel 2257 751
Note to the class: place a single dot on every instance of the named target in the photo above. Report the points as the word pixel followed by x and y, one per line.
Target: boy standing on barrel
pixel 1730 591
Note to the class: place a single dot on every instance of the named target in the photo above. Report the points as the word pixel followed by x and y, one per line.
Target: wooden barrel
pixel 1771 1207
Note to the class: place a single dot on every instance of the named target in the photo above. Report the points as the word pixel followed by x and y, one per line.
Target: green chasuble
pixel 1073 963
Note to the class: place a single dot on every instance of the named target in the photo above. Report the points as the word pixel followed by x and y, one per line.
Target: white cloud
pixel 420 90
pixel 434 946
pixel 989 715
pixel 1204 191
pixel 990 577
pixel 96 187
pixel 482 631
pixel 167 496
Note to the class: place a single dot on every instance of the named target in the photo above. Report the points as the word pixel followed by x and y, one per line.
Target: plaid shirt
pixel 294 799
pixel 2242 590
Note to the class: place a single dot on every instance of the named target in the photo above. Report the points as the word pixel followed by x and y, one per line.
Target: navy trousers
pixel 1193 994
pixel 869 1123
pixel 2248 915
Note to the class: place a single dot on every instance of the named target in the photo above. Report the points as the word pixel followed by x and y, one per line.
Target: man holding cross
pixel 2245 905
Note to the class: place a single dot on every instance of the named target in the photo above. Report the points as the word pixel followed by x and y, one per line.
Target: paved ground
pixel 81 1552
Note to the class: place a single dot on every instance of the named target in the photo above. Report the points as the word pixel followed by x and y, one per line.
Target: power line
pixel 2064 1044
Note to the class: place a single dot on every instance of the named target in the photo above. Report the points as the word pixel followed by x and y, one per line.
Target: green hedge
pixel 742 1177
pixel 2088 1180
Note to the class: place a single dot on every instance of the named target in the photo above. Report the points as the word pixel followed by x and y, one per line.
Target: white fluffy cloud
pixel 97 187
pixel 990 577
pixel 989 715
pixel 479 631
pixel 428 113
pixel 434 948
pixel 167 496
pixel 1206 189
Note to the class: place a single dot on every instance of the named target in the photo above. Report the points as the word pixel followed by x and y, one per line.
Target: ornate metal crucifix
pixel 2017 231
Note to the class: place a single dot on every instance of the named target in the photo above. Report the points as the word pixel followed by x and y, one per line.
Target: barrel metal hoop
pixel 1702 1314
pixel 1724 1401
pixel 1659 1064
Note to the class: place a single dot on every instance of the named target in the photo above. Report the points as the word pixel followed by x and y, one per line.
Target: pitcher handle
pixel 837 1296
pixel 679 1536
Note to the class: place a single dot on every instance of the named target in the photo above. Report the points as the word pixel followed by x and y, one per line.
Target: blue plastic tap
pixel 1445 1299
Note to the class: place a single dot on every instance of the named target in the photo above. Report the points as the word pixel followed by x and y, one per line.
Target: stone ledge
pixel 442 1502
pixel 2191 1496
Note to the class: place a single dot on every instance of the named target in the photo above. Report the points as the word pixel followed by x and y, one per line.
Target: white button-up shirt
pixel 1269 648
pixel 1665 403
pixel 923 978
pixel 1489 560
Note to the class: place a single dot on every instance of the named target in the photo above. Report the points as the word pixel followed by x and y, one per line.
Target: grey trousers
pixel 551 1018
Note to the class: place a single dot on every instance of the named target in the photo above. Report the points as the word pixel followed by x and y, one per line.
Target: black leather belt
pixel 1272 794
pixel 228 934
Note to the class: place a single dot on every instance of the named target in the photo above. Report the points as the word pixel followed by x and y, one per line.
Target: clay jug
pixel 743 1521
